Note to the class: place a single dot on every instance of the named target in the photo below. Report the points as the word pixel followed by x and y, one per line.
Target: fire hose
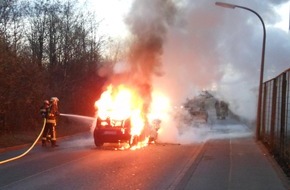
pixel 28 150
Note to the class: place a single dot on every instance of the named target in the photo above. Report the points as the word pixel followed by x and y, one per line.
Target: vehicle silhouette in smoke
pixel 197 109
pixel 119 131
pixel 222 109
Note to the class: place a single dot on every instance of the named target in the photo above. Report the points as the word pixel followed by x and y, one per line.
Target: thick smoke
pixel 201 46
pixel 148 22
pixel 219 49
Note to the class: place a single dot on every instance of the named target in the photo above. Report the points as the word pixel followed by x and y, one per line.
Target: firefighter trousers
pixel 49 131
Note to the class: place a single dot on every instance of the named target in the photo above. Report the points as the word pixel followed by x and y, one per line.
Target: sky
pixel 112 14
pixel 205 47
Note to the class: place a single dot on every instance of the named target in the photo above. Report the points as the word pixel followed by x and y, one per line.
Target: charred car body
pixel 120 131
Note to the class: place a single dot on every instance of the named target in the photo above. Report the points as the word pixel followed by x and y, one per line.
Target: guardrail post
pixel 273 116
pixel 283 115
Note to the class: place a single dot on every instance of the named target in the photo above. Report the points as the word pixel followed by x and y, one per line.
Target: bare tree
pixel 58 56
pixel 38 19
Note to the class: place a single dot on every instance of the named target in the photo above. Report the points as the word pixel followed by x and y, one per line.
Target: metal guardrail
pixel 275 118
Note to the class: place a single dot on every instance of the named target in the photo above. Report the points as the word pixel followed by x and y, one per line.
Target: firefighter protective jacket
pixel 43 110
pixel 51 114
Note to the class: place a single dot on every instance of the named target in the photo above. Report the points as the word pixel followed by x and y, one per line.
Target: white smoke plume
pixel 215 48
pixel 189 46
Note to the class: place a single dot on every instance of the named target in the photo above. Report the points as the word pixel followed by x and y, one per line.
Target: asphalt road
pixel 229 159
pixel 78 164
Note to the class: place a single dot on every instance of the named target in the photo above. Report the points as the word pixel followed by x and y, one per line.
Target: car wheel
pixel 151 140
pixel 98 143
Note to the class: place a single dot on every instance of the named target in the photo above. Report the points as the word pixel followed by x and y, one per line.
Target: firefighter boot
pixel 43 143
pixel 53 144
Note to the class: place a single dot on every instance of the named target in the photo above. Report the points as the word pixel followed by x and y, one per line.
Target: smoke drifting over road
pixel 214 48
pixel 188 46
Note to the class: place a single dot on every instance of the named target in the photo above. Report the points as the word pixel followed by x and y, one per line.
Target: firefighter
pixel 43 108
pixel 43 112
pixel 50 125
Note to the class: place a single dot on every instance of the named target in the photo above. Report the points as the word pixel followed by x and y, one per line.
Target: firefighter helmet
pixel 54 99
pixel 46 102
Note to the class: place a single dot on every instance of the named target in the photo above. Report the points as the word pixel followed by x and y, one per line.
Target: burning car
pixel 121 119
pixel 113 131
pixel 119 131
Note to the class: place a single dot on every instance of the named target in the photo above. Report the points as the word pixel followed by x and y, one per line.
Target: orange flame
pixel 159 107
pixel 120 103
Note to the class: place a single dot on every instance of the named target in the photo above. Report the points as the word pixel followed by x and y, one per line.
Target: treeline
pixel 47 48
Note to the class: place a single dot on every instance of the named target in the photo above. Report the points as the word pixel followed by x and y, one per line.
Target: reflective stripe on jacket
pixel 51 121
